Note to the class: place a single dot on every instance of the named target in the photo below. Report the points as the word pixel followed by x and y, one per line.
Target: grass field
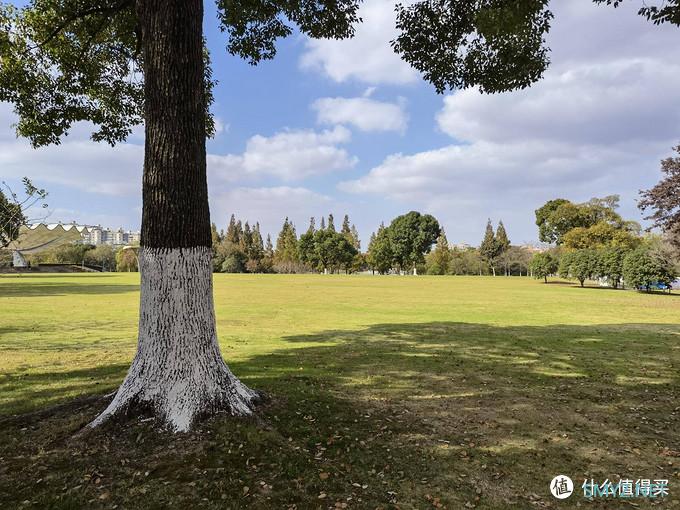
pixel 386 392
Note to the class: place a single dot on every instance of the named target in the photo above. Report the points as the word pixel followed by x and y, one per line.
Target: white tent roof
pixel 40 236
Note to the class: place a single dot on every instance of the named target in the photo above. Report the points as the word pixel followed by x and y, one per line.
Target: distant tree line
pixel 494 253
pixel 592 241
pixel 241 249
pixel 325 249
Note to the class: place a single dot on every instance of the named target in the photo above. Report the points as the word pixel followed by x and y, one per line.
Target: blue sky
pixel 346 127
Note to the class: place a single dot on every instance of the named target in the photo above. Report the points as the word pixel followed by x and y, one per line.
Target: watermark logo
pixel 561 487
pixel 626 488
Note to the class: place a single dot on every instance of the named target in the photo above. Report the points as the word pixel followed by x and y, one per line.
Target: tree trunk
pixel 178 372
pixel 546 279
pixel 493 270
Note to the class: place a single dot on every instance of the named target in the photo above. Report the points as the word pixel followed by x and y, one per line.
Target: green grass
pixel 387 392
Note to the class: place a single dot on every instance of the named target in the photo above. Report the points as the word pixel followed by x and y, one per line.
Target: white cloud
pixel 367 57
pixel 362 112
pixel 497 167
pixel 288 155
pixel 636 99
pixel 83 165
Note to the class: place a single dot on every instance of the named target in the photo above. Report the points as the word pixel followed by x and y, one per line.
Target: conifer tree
pixel 257 244
pixel 269 248
pixel 323 223
pixel 346 230
pixel 306 245
pixel 331 225
pixel 503 244
pixel 246 243
pixel 440 258
pixel 286 255
pixel 232 234
pixel 281 240
pixel 369 252
pixel 489 247
pixel 354 233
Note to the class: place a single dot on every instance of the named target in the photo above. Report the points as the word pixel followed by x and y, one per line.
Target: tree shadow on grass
pixel 417 415
pixel 533 400
pixel 23 389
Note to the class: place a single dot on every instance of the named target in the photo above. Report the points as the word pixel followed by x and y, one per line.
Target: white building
pixel 97 235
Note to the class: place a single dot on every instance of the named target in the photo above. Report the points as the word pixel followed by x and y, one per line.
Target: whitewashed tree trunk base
pixel 178 372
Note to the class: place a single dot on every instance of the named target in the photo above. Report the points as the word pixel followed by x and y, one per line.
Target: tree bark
pixel 178 372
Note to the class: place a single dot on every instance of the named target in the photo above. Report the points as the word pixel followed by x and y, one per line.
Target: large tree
pixel 411 237
pixel 121 63
pixel 490 248
pixel 663 200
pixel 503 245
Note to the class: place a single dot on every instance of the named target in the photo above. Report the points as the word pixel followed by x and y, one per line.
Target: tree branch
pixel 83 14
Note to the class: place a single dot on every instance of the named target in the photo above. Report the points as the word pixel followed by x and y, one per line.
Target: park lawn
pixel 384 392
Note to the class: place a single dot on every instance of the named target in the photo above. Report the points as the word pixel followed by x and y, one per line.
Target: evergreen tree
pixel 503 245
pixel 345 252
pixel 323 223
pixel 246 242
pixel 322 254
pixel 306 246
pixel 331 225
pixel 279 254
pixel 239 232
pixel 489 248
pixel 355 238
pixel 256 253
pixel 439 260
pixel 267 263
pixel 232 234
pixel 286 256
pixel 371 247
pixel 346 229
pixel 269 248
